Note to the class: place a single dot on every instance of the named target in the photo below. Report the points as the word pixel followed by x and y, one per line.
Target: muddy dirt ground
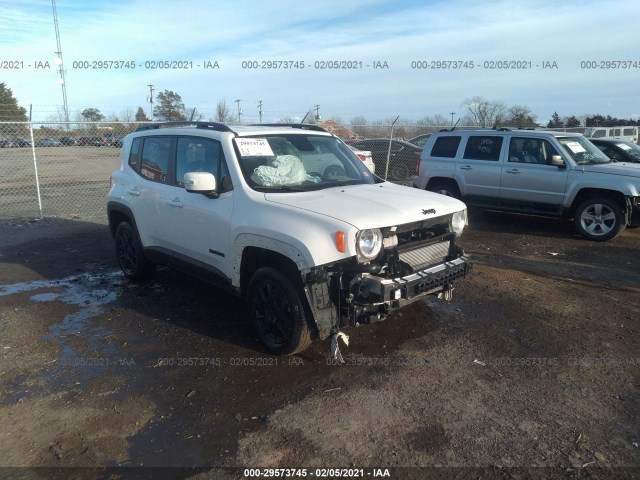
pixel 534 363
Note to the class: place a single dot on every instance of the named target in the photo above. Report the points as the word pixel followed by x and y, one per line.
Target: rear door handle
pixel 466 167
pixel 175 202
pixel 513 170
pixel 135 193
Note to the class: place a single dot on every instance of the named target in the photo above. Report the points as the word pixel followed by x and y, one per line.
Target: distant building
pixel 337 129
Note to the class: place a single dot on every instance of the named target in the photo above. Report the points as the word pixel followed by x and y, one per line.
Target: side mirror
pixel 557 161
pixel 200 182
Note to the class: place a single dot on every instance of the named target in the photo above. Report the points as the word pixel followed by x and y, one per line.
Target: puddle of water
pixel 90 292
pixel 18 390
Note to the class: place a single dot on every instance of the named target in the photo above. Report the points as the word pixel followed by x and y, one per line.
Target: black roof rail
pixel 303 126
pixel 220 127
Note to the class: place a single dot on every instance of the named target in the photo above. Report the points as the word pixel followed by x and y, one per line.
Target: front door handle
pixel 175 202
pixel 513 170
pixel 466 167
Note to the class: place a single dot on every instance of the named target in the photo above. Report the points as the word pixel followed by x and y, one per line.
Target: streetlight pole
pixel 260 110
pixel 452 114
pixel 239 109
pixel 151 99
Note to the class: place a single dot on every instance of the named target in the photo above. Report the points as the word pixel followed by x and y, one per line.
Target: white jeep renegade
pixel 285 216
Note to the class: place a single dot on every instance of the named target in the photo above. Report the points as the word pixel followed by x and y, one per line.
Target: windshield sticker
pixel 575 147
pixel 254 147
pixel 623 146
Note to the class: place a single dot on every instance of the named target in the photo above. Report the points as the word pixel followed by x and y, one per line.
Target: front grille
pixel 421 257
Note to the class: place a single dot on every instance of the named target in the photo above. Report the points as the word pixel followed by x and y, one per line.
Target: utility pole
pixel 260 109
pixel 452 114
pixel 317 107
pixel 150 98
pixel 239 110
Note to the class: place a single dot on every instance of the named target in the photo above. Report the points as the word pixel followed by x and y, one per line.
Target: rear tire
pixel 399 171
pixel 445 187
pixel 278 312
pixel 599 219
pixel 130 255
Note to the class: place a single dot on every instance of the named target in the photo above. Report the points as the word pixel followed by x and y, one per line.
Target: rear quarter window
pixel 445 147
pixel 134 154
pixel 483 147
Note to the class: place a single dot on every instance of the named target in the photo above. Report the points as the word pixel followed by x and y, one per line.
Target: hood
pixel 371 206
pixel 619 168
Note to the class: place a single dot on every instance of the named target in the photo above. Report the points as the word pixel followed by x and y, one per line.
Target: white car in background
pixel 366 157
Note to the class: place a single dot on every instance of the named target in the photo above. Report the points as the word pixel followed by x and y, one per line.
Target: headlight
pixel 459 221
pixel 368 244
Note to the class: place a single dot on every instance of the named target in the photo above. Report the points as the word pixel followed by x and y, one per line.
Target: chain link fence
pixel 57 170
pixel 63 169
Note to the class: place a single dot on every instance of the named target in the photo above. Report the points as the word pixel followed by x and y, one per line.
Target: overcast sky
pixel 534 33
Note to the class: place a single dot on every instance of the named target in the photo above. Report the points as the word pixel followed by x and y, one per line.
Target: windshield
pixel 583 151
pixel 631 149
pixel 299 162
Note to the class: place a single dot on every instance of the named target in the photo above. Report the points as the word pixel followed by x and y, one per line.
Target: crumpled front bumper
pixel 438 278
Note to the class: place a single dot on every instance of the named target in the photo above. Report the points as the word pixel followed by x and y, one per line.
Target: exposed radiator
pixel 422 257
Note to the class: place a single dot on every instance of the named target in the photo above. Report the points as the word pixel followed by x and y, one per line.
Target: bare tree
pixel 359 125
pixel 520 116
pixel 223 114
pixel 127 115
pixel 485 113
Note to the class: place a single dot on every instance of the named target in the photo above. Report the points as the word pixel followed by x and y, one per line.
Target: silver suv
pixel 548 173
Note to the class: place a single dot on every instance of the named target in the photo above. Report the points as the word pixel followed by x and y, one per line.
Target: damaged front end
pixel 415 260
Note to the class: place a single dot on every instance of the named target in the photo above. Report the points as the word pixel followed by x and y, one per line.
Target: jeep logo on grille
pixel 427 212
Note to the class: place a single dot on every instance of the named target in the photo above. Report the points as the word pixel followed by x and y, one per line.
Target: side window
pixel 445 147
pixel 154 163
pixel 531 150
pixel 197 154
pixel 483 148
pixel 134 154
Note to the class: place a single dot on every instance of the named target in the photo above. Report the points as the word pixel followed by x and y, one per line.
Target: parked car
pixel 309 253
pixel 22 142
pixel 366 157
pixel 6 143
pixel 403 159
pixel 94 141
pixel 618 150
pixel 67 141
pixel 558 174
pixel 47 142
pixel 420 140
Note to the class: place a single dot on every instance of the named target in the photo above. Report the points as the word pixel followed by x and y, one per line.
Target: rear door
pixel 479 169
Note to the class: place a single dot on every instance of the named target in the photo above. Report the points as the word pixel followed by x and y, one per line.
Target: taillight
pixel 419 154
pixel 361 157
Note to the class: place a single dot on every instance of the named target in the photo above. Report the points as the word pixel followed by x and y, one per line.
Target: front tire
pixel 278 312
pixel 599 219
pixel 130 255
